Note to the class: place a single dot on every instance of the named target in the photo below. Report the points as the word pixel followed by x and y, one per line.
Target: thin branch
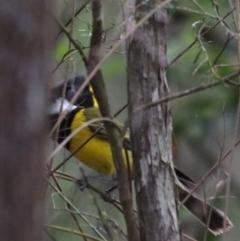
pixel 65 56
pixel 213 168
pixel 193 11
pixel 73 215
pixel 227 65
pixel 200 7
pixel 229 38
pixel 75 209
pixel 187 92
pixel 113 133
pixel 71 18
pixel 237 122
pixel 196 39
pixel 221 20
pixel 73 41
pixel 67 230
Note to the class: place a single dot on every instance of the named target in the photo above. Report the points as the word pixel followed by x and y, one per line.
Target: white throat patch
pixel 56 106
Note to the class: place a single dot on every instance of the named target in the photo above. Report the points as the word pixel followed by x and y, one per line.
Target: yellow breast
pixel 97 152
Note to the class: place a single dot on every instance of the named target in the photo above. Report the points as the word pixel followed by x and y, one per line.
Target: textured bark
pixel 23 77
pixel 151 128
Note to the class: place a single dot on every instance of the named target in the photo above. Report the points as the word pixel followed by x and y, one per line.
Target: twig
pixel 69 207
pixel 75 209
pixel 196 39
pixel 113 134
pixel 67 230
pixel 210 171
pixel 229 38
pixel 188 92
pixel 66 55
pixel 73 41
pixel 71 18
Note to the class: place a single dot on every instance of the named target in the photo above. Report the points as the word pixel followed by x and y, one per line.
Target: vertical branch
pixel 113 134
pixel 24 37
pixel 151 128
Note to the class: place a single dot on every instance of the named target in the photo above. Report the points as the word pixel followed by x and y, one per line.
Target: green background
pixel 205 123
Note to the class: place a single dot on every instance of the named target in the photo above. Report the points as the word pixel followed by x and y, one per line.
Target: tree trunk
pixel 151 128
pixel 24 31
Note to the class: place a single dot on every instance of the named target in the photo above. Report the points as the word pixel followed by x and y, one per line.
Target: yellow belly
pixel 96 154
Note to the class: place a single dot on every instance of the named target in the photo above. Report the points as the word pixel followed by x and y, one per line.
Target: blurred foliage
pixel 204 122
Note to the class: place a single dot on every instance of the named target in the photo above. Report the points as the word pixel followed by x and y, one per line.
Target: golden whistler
pixel 96 153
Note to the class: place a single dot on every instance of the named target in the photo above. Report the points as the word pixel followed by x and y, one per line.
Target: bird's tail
pixel 213 218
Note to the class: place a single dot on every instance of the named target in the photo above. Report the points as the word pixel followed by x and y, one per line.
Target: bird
pixel 96 153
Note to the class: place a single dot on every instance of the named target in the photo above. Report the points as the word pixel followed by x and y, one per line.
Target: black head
pixel 73 85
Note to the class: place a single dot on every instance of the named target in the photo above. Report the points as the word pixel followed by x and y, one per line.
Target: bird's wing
pixel 98 127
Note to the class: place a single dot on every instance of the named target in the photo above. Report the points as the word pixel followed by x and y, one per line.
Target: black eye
pixel 70 94
pixel 68 87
